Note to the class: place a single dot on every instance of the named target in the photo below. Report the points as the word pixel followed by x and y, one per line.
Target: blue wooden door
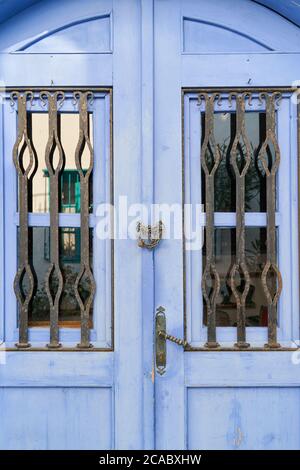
pixel 80 62
pixel 218 68
pixel 182 103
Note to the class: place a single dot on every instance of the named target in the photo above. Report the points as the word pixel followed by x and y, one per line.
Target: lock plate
pixel 160 343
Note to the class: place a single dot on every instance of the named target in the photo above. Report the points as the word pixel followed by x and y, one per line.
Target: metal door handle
pixel 161 337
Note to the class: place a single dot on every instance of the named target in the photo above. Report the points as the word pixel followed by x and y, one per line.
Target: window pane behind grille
pixel 70 264
pixel 224 131
pixel 256 303
pixel 69 196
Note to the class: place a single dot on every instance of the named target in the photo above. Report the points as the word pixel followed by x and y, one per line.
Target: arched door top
pixel 211 26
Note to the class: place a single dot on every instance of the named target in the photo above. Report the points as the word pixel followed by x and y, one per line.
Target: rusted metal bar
pixel 82 98
pixel 227 90
pixel 54 175
pixel 209 146
pixel 241 143
pixel 270 170
pixel 24 175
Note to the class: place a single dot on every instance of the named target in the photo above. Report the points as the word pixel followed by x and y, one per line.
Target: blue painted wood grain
pixel 104 392
pixel 56 418
pixel 212 27
pixel 247 418
pixel 128 257
pixel 74 37
pixel 1 229
pixel 147 196
pixel 49 17
pixel 221 400
pixel 169 398
pixel 208 37
pixel 286 8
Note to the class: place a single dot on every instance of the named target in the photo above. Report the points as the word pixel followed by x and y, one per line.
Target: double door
pixel 182 112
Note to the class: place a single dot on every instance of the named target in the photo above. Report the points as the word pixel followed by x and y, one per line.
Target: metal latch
pixel 161 337
pixel 149 236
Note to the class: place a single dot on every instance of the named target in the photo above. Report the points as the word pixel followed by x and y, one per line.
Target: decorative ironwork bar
pixel 26 163
pixel 240 265
pixel 82 98
pixel 54 175
pixel 209 146
pixel 24 174
pixel 270 170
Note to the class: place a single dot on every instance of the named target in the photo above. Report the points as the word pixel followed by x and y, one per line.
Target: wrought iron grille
pixel 54 155
pixel 239 102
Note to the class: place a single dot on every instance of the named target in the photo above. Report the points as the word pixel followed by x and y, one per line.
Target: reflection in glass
pixel 68 129
pixel 256 302
pixel 224 131
pixel 39 313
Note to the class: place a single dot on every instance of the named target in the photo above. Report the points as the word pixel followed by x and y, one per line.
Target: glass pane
pixel 256 303
pixel 70 265
pixel 69 184
pixel 224 129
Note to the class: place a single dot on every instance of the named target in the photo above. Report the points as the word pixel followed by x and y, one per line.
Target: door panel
pixel 75 406
pixel 235 418
pixel 209 399
pixel 95 403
